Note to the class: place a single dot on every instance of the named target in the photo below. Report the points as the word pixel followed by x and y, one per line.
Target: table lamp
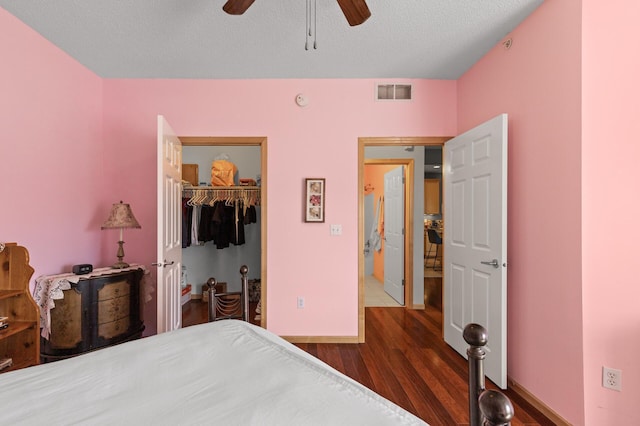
pixel 121 217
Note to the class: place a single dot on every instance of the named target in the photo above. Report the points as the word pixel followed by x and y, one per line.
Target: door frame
pixel 260 141
pixel 409 217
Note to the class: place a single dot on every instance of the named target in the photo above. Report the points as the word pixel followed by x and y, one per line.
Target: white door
pixel 475 241
pixel 169 239
pixel 394 234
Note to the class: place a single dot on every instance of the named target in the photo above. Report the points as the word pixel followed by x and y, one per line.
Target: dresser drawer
pixel 112 329
pixel 113 309
pixel 112 290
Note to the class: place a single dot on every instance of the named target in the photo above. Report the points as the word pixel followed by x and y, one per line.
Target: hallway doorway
pixel 414 228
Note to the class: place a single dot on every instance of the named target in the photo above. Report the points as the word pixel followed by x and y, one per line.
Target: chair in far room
pixel 434 239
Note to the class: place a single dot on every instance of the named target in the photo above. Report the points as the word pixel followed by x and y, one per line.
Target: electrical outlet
pixel 300 302
pixel 612 378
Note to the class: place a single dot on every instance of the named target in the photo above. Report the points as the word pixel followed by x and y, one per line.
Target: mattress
pixel 222 373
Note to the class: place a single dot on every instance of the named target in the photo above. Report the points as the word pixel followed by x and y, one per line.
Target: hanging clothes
pixel 238 222
pixel 250 215
pixel 375 238
pixel 195 225
pixel 226 225
pixel 222 224
pixel 187 219
pixel 218 215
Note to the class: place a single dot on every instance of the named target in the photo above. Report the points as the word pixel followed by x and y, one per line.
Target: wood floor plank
pixel 384 379
pixel 444 383
pixel 428 404
pixel 332 354
pixel 404 359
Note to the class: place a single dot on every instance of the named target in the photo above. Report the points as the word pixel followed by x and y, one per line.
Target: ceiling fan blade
pixel 237 7
pixel 356 11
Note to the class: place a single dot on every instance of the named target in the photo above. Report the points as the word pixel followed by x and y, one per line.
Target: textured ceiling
pixel 436 39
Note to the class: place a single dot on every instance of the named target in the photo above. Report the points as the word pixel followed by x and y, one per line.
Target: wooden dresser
pixel 95 312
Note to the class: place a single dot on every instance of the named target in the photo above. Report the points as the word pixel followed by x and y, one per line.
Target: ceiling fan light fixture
pixel 237 7
pixel 356 11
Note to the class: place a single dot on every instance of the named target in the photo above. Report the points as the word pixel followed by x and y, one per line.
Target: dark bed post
pixel 486 407
pixel 211 290
pixel 496 408
pixel 476 336
pixel 245 292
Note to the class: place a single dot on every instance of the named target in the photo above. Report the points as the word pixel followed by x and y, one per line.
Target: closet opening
pixel 246 208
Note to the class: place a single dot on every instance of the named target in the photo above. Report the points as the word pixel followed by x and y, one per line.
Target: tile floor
pixel 374 294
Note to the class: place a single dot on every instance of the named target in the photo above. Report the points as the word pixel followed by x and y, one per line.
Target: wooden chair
pixel 229 305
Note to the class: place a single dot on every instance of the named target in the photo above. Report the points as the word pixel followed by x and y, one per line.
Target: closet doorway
pixel 207 260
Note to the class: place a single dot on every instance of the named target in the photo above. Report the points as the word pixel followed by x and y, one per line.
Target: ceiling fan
pixel 356 11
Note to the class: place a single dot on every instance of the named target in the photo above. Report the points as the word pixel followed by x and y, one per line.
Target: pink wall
pixel 537 82
pixel 51 169
pixel 75 143
pixel 611 289
pixel 319 140
pixel 571 296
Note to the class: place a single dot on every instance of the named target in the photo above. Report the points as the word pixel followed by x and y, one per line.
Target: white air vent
pixel 390 92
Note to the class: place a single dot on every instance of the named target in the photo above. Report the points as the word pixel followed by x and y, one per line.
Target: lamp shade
pixel 120 216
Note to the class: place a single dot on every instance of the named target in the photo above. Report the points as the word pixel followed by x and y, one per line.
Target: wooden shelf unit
pixel 21 340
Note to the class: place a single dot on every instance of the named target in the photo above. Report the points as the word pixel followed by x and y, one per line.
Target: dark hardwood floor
pixel 405 360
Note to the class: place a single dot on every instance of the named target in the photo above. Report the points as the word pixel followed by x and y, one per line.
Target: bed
pixel 225 372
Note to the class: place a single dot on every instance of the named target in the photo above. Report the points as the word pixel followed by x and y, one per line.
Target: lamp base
pixel 120 264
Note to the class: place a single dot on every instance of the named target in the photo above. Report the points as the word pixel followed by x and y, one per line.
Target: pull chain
pixel 308 28
pixel 312 24
pixel 315 24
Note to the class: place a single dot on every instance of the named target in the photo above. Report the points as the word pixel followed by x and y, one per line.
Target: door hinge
pixel 403 282
pixel 403 180
pixel 402 231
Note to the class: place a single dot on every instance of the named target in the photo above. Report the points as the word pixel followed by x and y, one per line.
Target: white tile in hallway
pixel 374 294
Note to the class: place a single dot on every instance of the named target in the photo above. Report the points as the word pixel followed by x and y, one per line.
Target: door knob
pixel 493 263
pixel 163 264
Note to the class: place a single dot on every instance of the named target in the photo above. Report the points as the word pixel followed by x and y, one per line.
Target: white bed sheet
pixel 222 373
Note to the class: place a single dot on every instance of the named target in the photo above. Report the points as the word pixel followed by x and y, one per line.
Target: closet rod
pixel 219 188
pixel 200 195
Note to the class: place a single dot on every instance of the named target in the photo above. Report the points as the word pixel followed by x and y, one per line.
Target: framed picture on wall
pixel 314 209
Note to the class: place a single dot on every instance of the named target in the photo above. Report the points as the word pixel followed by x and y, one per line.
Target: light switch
pixel 336 229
